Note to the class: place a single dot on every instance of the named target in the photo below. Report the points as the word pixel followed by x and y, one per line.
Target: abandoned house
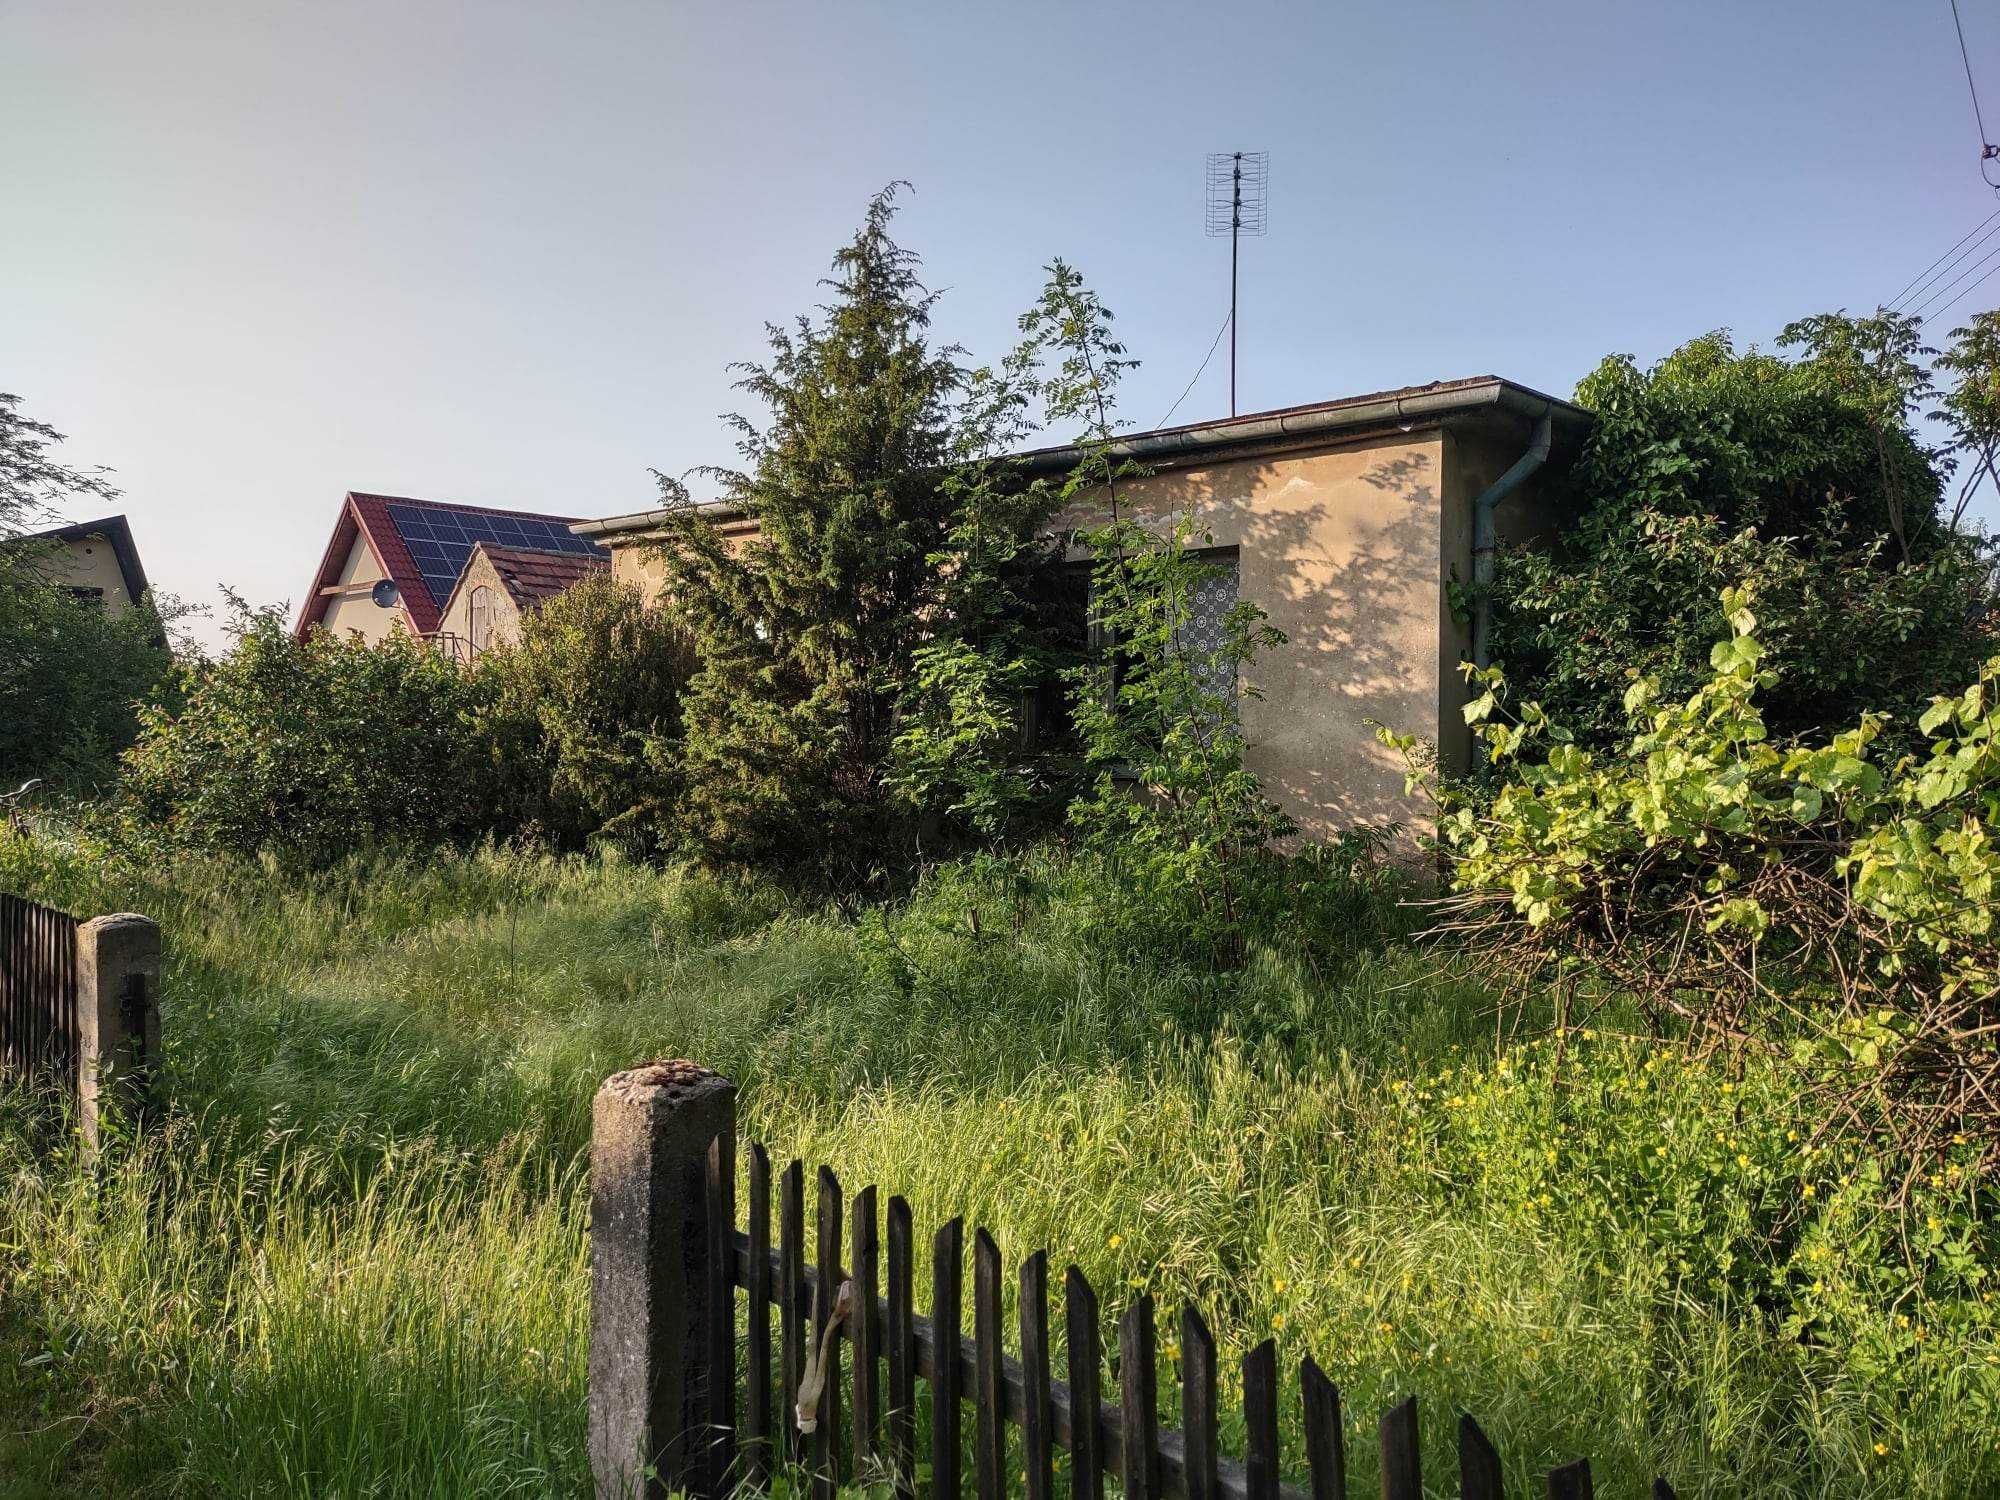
pixel 1355 524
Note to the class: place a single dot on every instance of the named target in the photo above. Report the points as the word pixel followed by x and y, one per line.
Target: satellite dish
pixel 385 594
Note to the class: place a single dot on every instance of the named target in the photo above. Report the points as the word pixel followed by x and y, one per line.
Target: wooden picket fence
pixel 79 1008
pixel 1125 1441
pixel 38 1011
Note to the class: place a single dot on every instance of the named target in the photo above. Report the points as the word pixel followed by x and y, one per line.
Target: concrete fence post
pixel 651 1344
pixel 117 1017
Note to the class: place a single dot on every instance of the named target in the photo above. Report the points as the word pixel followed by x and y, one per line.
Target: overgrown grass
pixel 354 1260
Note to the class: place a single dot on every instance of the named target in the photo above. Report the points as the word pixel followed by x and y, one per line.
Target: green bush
pixel 586 715
pixel 1783 894
pixel 72 675
pixel 73 680
pixel 1712 468
pixel 310 749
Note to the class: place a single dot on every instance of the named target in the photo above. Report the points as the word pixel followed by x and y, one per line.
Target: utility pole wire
pixel 1939 311
pixel 1987 150
pixel 1929 274
pixel 1937 292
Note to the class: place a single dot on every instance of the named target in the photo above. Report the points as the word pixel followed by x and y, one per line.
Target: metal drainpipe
pixel 1483 541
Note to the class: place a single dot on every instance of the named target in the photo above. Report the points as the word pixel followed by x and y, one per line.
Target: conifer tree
pixel 854 481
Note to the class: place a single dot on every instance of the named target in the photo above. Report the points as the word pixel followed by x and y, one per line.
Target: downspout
pixel 1483 537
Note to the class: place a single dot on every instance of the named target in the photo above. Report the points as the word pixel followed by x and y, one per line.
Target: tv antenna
pixel 1237 202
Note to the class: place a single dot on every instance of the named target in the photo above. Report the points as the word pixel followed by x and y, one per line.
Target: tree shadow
pixel 1343 549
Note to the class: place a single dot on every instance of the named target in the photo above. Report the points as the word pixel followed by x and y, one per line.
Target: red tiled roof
pixel 363 514
pixel 532 577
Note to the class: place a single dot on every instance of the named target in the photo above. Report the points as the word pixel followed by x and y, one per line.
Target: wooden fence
pixel 79 1005
pixel 668 1262
pixel 38 1017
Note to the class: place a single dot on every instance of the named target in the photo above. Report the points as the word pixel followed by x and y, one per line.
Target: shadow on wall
pixel 1343 553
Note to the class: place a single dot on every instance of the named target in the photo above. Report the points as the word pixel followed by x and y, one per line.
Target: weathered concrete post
pixel 117 1017
pixel 651 1339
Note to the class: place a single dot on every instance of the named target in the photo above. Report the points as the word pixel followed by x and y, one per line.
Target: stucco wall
pixel 457 621
pixel 90 562
pixel 634 561
pixel 1341 548
pixel 352 610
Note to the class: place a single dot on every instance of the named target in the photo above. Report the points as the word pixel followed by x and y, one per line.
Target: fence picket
pixel 902 1350
pixel 1402 1473
pixel 1326 1444
pixel 1478 1463
pixel 1571 1482
pixel 865 1328
pixel 758 1450
pixel 1260 1422
pixel 721 1313
pixel 947 1288
pixel 826 1341
pixel 1200 1465
pixel 1139 1402
pixel 1086 1387
pixel 791 1300
pixel 989 1445
pixel 1037 1449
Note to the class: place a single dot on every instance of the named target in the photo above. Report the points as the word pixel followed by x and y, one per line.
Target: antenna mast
pixel 1237 201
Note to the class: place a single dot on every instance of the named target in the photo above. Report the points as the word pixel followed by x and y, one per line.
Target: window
pixel 483 606
pixel 1214 597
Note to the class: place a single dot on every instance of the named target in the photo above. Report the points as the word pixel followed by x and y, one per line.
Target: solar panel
pixel 440 540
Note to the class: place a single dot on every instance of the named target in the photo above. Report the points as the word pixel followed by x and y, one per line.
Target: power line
pixel 1987 150
pixel 1939 312
pixel 1930 302
pixel 1228 318
pixel 1924 277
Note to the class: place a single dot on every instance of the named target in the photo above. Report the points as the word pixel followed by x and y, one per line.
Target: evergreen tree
pixel 856 485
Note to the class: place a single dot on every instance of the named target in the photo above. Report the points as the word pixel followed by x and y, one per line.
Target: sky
pixel 256 254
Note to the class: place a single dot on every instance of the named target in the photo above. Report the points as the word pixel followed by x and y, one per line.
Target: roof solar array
pixel 440 540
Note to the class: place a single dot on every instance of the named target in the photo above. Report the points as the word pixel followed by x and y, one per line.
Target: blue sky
pixel 260 254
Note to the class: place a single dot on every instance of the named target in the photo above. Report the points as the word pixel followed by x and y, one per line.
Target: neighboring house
pixel 498 586
pixel 1351 523
pixel 393 562
pixel 93 560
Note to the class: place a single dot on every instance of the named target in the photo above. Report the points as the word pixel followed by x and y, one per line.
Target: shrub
pixel 1170 803
pixel 1714 468
pixel 586 715
pixel 73 680
pixel 71 674
pixel 1790 895
pixel 308 749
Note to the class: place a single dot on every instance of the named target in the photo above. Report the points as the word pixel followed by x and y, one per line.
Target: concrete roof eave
pixel 642 521
pixel 1426 405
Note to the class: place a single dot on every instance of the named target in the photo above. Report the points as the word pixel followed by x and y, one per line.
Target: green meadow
pixel 352 1259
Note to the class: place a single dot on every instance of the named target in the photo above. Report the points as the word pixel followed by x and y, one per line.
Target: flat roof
pixel 1409 405
pixel 1439 402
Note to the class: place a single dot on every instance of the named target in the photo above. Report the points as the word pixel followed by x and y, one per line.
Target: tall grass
pixel 354 1260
